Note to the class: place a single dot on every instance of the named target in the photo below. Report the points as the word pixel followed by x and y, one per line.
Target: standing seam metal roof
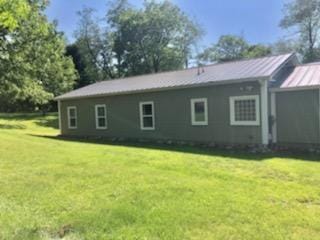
pixel 216 73
pixel 306 75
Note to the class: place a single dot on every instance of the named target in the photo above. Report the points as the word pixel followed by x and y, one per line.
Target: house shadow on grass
pixel 204 151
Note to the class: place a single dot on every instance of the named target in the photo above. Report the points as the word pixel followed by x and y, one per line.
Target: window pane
pixel 199 117
pixel 147 109
pixel 72 112
pixel 147 122
pixel 245 110
pixel 101 111
pixel 73 122
pixel 199 107
pixel 102 122
pixel 199 112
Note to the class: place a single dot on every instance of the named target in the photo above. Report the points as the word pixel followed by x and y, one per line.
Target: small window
pixel 199 111
pixel 244 110
pixel 101 117
pixel 147 116
pixel 72 117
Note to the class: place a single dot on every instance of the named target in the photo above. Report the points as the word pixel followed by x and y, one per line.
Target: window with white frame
pixel 245 110
pixel 101 116
pixel 199 111
pixel 72 117
pixel 147 116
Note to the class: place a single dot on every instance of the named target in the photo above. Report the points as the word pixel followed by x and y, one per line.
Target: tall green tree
pixel 158 37
pixel 233 47
pixel 33 66
pixel 303 17
pixel 131 41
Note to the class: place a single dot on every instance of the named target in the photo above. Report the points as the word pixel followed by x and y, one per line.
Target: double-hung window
pixel 72 117
pixel 147 116
pixel 199 111
pixel 101 116
pixel 245 110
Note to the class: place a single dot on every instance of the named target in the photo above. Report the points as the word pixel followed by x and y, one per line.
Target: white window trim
pixel 193 117
pixel 69 117
pixel 141 104
pixel 97 117
pixel 233 122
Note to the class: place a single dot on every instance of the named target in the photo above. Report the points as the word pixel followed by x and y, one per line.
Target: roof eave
pixel 222 82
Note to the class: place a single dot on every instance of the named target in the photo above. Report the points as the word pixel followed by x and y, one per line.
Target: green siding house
pixel 256 101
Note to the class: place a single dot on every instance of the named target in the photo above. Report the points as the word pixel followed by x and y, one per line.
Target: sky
pixel 256 20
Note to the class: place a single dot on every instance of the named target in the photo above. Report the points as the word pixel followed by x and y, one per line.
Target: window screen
pixel 101 117
pixel 72 117
pixel 199 111
pixel 147 115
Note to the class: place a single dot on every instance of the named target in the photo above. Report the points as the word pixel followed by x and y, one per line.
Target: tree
pixel 285 46
pixel 257 50
pixel 157 37
pixel 95 46
pixel 33 66
pixel 232 47
pixel 304 16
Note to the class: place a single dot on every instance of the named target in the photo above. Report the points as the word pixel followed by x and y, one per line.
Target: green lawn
pixel 51 188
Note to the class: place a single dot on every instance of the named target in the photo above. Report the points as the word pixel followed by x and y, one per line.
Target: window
pixel 101 117
pixel 72 117
pixel 244 111
pixel 147 116
pixel 199 111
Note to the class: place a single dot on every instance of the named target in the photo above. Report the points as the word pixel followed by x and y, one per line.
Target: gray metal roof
pixel 302 76
pixel 243 70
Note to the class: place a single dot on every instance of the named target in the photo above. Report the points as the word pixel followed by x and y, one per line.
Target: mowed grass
pixel 52 188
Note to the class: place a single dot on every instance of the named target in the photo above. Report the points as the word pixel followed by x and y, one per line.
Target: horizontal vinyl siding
pixel 172 115
pixel 298 117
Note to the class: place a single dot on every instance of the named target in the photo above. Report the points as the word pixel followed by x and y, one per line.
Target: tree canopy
pixel 33 66
pixel 233 47
pixel 303 18
pixel 130 41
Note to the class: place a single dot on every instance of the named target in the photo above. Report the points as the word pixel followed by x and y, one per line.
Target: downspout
pixel 264 111
pixel 273 112
pixel 319 116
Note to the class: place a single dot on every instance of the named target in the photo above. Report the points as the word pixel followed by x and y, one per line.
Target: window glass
pixel 73 122
pixel 72 112
pixel 147 122
pixel 101 111
pixel 147 109
pixel 245 110
pixel 199 111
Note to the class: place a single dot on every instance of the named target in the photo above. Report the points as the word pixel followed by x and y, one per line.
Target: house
pixel 257 101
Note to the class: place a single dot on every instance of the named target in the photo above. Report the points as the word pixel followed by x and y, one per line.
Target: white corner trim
pixel 273 109
pixel 193 117
pixel 264 112
pixel 141 104
pixel 233 121
pixel 75 117
pixel 319 111
pixel 97 117
pixel 59 115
